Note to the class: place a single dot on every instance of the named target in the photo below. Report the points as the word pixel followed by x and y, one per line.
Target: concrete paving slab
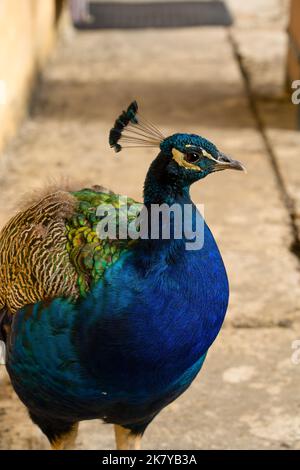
pixel 259 14
pixel 264 55
pixel 286 145
pixel 259 29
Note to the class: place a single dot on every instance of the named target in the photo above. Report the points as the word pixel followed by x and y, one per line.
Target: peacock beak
pixel 226 162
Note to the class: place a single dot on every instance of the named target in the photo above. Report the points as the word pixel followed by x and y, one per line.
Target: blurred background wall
pixel 28 30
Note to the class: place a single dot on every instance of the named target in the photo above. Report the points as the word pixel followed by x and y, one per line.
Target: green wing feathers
pixel 90 255
pixel 52 249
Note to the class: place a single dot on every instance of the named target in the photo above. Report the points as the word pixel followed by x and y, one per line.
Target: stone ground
pixel 247 395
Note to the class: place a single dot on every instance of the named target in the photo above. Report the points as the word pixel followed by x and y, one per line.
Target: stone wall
pixel 27 35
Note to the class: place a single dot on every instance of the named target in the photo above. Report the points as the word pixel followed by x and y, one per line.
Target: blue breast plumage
pixel 132 345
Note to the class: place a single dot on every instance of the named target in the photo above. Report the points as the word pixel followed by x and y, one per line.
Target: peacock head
pixel 195 157
pixel 184 157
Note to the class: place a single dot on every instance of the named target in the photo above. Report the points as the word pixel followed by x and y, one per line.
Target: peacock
pixel 99 325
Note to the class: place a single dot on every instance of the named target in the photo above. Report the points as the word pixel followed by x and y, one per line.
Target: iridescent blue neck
pixel 162 187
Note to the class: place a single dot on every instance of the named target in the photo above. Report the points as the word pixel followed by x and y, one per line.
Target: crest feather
pixel 132 129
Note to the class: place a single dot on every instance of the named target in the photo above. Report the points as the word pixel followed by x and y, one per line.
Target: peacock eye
pixel 192 157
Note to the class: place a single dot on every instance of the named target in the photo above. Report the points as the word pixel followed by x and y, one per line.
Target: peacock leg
pixel 61 434
pixel 126 439
pixel 66 441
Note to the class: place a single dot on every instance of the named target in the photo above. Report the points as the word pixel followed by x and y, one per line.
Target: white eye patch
pixel 207 155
